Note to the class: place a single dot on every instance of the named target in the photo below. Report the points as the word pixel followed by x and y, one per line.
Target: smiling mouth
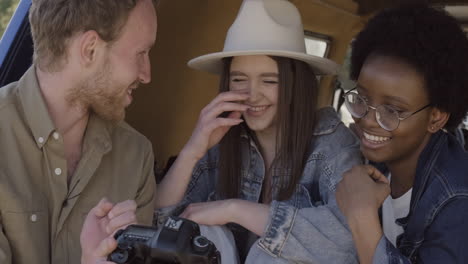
pixel 374 138
pixel 130 90
pixel 258 108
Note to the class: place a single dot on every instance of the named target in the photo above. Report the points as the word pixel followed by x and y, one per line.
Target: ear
pixel 438 119
pixel 90 44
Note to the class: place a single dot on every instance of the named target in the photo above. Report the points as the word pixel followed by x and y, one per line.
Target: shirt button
pixel 58 171
pixel 33 218
pixel 55 135
pixel 40 140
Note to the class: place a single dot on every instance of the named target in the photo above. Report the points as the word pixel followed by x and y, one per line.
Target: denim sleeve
pixel 386 253
pixel 199 189
pixel 317 234
pixel 444 242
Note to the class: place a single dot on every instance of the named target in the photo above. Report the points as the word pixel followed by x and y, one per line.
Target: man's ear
pixel 90 43
pixel 438 120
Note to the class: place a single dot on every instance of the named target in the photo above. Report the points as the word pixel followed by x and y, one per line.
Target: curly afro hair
pixel 429 40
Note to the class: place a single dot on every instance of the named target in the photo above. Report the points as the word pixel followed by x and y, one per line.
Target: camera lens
pixel 201 243
pixel 119 257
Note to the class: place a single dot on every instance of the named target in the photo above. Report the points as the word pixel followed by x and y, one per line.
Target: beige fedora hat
pixel 265 27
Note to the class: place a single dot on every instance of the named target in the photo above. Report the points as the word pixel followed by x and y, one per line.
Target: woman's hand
pixel 359 195
pixel 101 223
pixel 211 127
pixel 362 189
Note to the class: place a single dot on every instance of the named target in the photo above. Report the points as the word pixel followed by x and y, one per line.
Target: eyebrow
pixel 397 99
pixel 266 74
pixel 388 97
pixel 269 74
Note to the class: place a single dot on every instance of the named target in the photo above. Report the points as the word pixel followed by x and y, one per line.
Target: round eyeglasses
pixel 386 115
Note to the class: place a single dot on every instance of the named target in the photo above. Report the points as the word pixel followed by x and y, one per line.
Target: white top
pixel 393 209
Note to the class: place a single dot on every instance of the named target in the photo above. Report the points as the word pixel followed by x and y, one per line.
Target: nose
pixel 254 91
pixel 370 117
pixel 145 71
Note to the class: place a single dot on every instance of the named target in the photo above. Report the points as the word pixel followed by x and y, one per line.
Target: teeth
pixel 374 138
pixel 257 108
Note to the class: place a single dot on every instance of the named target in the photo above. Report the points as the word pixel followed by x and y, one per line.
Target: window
pixel 316 44
pixel 7 8
pixel 343 84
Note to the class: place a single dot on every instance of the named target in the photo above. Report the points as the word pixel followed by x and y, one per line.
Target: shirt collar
pixel 35 108
pixel 98 134
pixel 98 131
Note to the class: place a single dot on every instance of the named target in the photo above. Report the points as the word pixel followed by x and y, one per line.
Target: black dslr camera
pixel 179 241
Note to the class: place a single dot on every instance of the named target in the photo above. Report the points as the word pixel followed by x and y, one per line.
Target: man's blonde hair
pixel 53 22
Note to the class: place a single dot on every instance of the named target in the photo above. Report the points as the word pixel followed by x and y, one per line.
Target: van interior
pixel 167 109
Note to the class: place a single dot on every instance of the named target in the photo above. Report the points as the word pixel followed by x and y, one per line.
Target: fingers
pixel 102 208
pixel 216 110
pixel 226 101
pixel 222 122
pixel 121 215
pixel 375 174
pixel 368 170
pixel 106 247
pixel 230 96
pixel 121 221
pixel 235 115
pixel 100 253
pixel 122 207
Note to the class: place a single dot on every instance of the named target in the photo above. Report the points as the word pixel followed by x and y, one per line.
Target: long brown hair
pixel 297 104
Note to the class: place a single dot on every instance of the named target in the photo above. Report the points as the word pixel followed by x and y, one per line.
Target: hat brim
pixel 212 62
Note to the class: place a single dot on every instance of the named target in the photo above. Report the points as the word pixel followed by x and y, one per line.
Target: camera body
pixel 179 241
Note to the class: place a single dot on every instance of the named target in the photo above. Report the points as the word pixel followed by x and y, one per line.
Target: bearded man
pixel 63 142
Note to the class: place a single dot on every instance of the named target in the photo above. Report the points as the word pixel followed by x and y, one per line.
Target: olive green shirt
pixel 41 215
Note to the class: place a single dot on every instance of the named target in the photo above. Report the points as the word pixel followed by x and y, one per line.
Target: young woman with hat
pixel 262 158
pixel 411 66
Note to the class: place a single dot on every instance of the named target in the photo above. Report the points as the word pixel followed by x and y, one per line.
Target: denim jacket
pixel 436 228
pixel 307 228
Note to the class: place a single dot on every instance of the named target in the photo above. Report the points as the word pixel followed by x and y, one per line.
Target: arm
pixel 311 234
pixel 5 252
pixel 209 130
pixel 252 216
pixel 360 195
pixel 308 235
pixel 199 189
pixel 367 233
pixel 316 234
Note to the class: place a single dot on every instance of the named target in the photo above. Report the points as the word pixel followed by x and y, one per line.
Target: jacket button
pixel 33 218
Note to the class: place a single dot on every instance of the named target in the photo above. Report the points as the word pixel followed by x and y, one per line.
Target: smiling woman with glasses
pixel 387 116
pixel 409 61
